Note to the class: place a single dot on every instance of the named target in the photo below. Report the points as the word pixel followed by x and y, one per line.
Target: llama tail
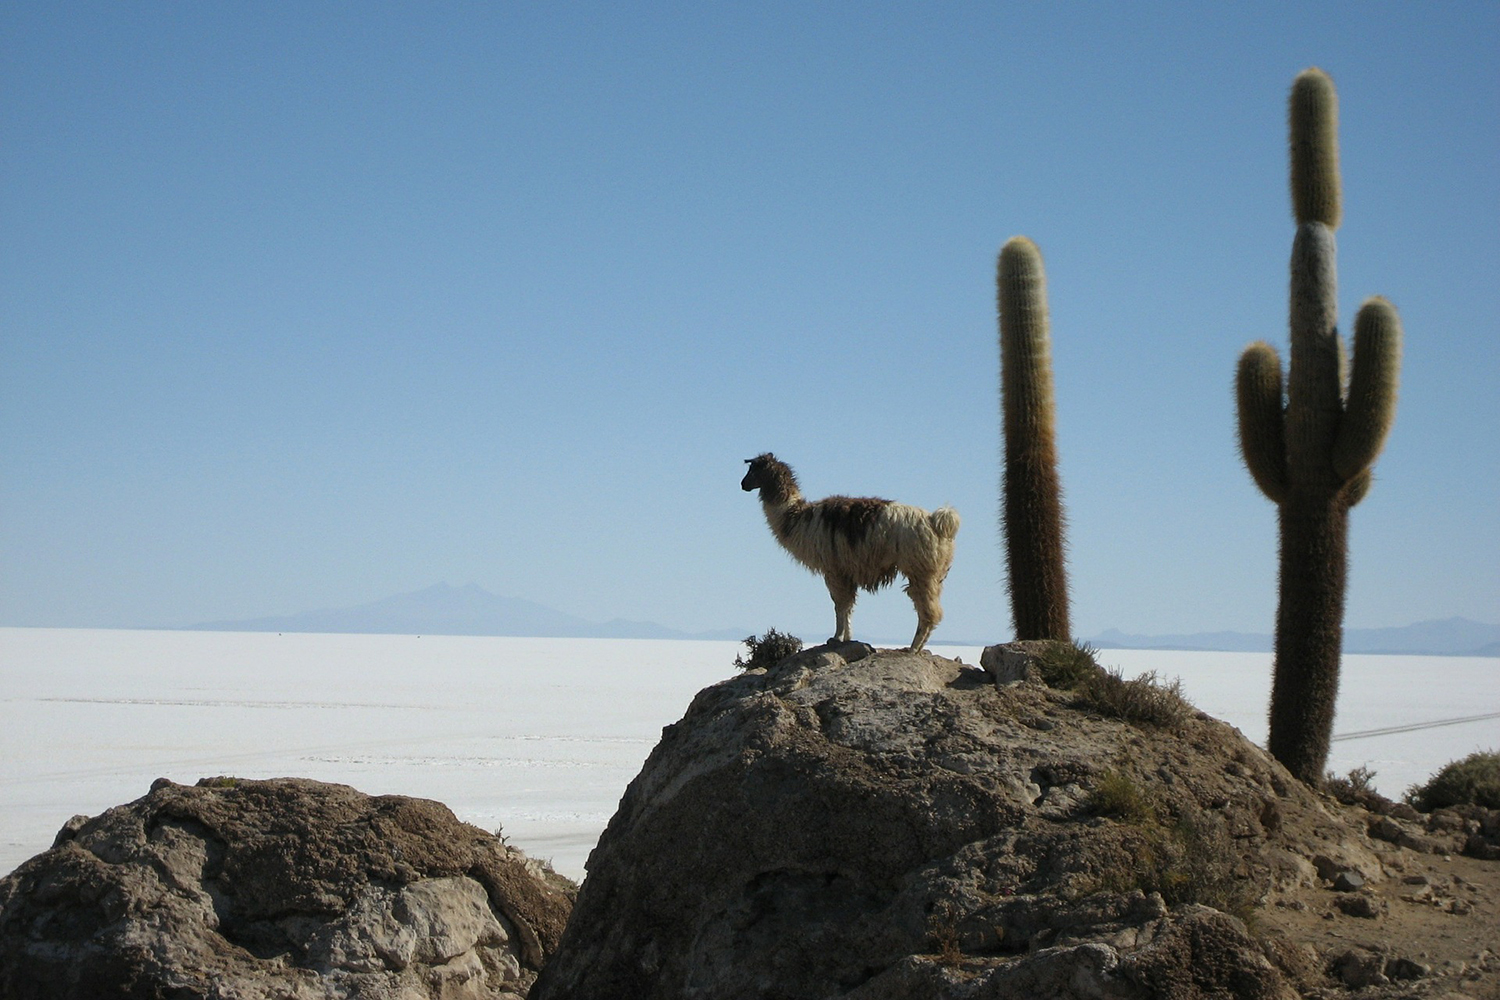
pixel 944 522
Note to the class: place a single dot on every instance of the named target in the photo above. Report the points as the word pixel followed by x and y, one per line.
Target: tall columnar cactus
pixel 1032 513
pixel 1312 454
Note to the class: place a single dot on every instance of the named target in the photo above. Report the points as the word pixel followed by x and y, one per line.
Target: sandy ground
pixel 1441 912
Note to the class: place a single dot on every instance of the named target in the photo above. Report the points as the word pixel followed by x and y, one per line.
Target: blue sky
pixel 308 304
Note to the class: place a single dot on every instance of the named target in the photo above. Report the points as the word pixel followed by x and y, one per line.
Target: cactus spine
pixel 1313 456
pixel 1032 513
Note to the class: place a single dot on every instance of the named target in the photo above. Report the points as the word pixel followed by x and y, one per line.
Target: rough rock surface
pixel 872 826
pixel 287 888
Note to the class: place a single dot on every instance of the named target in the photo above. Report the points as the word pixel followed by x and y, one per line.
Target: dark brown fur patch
pixel 850 517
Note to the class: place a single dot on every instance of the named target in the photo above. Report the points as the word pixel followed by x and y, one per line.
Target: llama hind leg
pixel 844 594
pixel 926 599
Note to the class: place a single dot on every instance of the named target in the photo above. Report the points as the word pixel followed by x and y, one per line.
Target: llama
pixel 859 543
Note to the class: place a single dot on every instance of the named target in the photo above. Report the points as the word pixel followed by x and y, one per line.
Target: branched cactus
pixel 1312 454
pixel 1032 514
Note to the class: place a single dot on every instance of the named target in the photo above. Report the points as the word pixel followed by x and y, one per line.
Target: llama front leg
pixel 844 594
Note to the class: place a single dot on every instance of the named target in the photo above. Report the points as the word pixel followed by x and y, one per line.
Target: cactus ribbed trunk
pixel 1309 629
pixel 1032 512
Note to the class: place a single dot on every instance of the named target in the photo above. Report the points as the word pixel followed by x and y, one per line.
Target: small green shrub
pixel 1475 780
pixel 1066 665
pixel 1118 795
pixel 768 650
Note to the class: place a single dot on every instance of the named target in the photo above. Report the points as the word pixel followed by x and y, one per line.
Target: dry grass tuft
pixel 1142 701
pixel 1145 700
pixel 1354 789
pixel 768 650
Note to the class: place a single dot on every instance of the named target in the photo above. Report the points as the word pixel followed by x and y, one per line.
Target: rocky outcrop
pixel 861 825
pixel 287 888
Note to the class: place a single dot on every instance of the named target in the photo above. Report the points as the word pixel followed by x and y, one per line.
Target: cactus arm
pixel 1355 489
pixel 1371 408
pixel 1261 418
pixel 1313 124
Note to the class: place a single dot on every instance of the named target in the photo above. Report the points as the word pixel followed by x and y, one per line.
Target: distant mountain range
pixel 1447 637
pixel 467 610
pixel 471 610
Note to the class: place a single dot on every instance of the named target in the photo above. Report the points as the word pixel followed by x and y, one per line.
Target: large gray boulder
pixel 290 889
pixel 872 826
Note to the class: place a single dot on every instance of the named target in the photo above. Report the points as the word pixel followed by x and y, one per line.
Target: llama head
pixel 754 476
pixel 771 476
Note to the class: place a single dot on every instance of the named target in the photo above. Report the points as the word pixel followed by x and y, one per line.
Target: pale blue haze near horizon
pixel 307 305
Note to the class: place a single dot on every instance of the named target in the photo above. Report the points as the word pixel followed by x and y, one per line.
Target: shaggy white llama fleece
pixel 859 543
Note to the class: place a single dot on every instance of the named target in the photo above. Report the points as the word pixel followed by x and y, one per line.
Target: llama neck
pixel 778 487
pixel 780 496
pixel 780 507
pixel 777 503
